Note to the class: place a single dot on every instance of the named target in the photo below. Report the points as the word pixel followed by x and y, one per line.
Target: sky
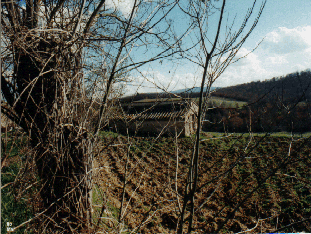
pixel 284 27
pixel 284 30
pixel 286 48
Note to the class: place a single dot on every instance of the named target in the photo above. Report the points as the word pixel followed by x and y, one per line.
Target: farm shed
pixel 151 118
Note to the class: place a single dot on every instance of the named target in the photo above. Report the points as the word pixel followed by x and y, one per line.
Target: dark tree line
pixel 278 104
pixel 294 87
pixel 260 117
pixel 290 88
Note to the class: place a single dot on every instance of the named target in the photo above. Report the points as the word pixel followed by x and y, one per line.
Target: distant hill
pixel 192 90
pixel 292 87
pixel 278 104
pixel 281 104
pixel 184 93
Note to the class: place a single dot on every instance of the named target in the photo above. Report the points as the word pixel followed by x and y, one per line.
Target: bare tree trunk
pixel 45 109
pixel 63 175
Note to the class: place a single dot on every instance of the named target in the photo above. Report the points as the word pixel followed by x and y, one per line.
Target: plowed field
pixel 258 184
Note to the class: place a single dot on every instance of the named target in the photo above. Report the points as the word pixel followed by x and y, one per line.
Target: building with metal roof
pixel 167 117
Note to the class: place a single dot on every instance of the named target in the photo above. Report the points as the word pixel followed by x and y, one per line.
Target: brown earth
pixel 261 187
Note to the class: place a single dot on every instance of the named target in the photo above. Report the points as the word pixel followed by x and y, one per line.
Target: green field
pixel 274 134
pixel 223 102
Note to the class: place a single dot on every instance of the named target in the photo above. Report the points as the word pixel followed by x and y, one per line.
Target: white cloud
pixel 284 40
pixel 125 6
pixel 246 58
pixel 277 60
pixel 286 50
pixel 160 81
pixel 245 70
pixel 283 51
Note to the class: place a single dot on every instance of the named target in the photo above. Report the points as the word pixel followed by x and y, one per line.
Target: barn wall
pixel 186 126
pixel 191 120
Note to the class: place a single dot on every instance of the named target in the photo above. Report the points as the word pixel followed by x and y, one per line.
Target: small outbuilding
pixel 154 117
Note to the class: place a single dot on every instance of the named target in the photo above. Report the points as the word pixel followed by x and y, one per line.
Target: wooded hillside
pixel 278 104
pixel 292 87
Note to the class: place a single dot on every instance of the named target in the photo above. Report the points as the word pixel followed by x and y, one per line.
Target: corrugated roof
pixel 151 115
pixel 153 111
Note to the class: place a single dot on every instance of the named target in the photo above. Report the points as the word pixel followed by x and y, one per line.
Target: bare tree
pixel 214 57
pixel 58 57
pixel 62 64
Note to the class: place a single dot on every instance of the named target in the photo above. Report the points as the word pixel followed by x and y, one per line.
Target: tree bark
pixel 41 100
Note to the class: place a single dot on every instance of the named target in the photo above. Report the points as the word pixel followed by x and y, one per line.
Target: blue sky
pixel 285 27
